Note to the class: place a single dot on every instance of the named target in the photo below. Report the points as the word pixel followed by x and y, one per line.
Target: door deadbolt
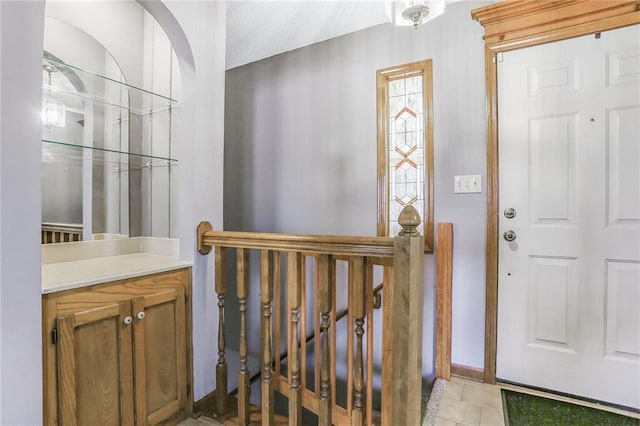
pixel 509 235
pixel 510 213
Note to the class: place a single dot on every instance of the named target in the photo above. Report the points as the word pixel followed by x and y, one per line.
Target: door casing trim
pixel 510 25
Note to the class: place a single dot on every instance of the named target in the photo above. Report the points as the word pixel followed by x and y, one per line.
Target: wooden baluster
pixel 317 351
pixel 334 280
pixel 350 342
pixel 221 368
pixel 243 375
pixel 303 323
pixel 293 290
pixel 369 314
pixel 266 298
pixel 357 306
pixel 387 345
pixel 404 322
pixel 277 318
pixel 325 285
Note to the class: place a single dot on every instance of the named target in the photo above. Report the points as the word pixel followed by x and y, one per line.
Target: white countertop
pixel 60 276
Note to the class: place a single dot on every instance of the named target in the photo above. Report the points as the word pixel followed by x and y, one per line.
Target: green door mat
pixel 523 410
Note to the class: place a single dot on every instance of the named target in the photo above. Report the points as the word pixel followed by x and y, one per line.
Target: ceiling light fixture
pixel 413 12
pixel 53 112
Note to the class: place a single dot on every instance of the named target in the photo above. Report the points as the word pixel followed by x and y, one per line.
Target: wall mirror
pixel 107 125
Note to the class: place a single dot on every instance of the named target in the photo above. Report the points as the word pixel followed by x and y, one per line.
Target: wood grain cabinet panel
pixel 160 363
pixel 94 373
pixel 117 353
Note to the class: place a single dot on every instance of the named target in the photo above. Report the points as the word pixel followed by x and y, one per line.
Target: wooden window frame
pixel 510 25
pixel 383 77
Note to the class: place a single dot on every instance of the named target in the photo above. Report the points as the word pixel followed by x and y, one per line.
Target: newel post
pixel 404 324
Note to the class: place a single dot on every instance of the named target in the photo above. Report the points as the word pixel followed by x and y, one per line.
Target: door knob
pixel 127 320
pixel 140 315
pixel 510 213
pixel 509 235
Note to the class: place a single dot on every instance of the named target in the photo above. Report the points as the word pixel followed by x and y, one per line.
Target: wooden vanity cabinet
pixel 94 364
pixel 119 353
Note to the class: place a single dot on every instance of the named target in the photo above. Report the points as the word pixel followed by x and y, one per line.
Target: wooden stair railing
pixel 377 296
pixel 401 260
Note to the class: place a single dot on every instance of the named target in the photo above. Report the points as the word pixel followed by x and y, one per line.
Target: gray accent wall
pixel 300 149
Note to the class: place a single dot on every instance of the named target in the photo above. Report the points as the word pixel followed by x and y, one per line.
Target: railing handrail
pixel 337 245
pixel 55 226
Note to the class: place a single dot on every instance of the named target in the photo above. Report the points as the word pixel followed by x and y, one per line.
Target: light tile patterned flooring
pixel 198 422
pixel 470 404
pixel 465 403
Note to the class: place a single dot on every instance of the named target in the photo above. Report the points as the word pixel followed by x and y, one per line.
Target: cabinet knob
pixel 140 315
pixel 127 320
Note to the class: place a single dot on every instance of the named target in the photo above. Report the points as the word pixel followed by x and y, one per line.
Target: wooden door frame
pixel 514 24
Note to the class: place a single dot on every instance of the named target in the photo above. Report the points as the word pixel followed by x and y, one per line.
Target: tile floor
pixel 470 404
pixel 198 422
pixel 463 403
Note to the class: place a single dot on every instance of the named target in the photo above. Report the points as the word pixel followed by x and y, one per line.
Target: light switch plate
pixel 467 184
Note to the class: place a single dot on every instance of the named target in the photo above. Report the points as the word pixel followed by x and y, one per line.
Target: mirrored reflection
pixel 106 156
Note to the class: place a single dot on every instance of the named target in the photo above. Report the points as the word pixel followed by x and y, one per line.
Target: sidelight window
pixel 405 146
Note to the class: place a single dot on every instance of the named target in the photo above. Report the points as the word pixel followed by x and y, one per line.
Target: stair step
pixel 255 416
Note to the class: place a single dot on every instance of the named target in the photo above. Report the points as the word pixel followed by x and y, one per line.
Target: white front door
pixel 569 284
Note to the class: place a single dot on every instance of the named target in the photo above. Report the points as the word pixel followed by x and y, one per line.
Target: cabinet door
pixel 95 378
pixel 160 355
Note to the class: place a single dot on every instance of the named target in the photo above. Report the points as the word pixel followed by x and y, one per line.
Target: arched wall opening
pixel 132 124
pixel 197 31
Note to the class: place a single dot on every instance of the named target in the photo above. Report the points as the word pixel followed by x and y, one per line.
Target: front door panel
pixel 569 283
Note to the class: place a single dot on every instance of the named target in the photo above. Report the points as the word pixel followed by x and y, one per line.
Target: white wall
pixel 21 26
pixel 161 73
pixel 61 184
pixel 200 172
pixel 83 52
pixel 97 18
pixel 197 31
pixel 300 148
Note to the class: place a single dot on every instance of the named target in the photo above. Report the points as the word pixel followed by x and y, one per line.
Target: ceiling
pixel 258 29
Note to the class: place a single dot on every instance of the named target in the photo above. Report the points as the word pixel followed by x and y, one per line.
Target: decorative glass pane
pixel 396 88
pixel 414 102
pixel 406 148
pixel 395 105
pixel 413 85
